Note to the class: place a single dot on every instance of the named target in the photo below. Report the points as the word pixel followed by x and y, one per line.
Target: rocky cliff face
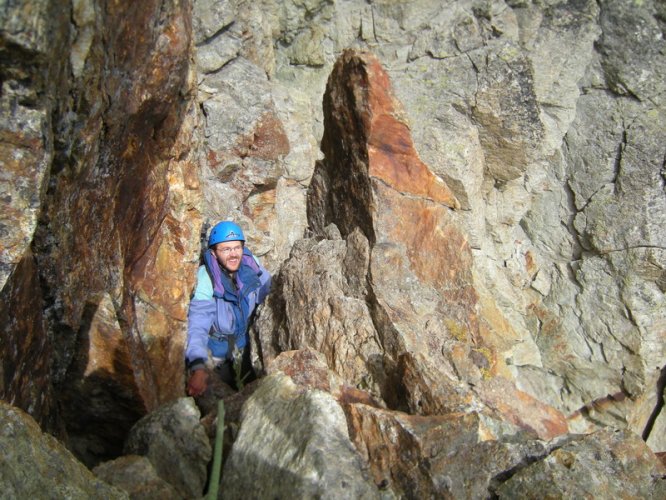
pixel 100 231
pixel 464 213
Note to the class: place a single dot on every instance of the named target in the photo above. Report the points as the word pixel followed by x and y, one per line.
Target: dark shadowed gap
pixel 661 385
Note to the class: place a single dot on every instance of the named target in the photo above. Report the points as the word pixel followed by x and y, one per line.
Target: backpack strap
pixel 250 260
pixel 215 273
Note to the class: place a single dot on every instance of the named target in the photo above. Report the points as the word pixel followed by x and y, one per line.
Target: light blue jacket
pixel 219 309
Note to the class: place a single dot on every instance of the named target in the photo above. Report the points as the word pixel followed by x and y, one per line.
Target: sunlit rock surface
pixel 449 455
pixel 604 464
pixel 304 450
pixel 392 306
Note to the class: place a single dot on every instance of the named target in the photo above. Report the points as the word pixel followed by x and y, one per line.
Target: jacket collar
pixel 245 279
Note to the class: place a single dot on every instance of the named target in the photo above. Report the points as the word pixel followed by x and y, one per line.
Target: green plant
pixel 214 482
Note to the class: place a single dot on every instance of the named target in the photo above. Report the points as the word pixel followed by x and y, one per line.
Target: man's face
pixel 228 254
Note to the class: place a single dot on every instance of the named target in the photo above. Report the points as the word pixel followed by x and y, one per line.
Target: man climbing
pixel 230 285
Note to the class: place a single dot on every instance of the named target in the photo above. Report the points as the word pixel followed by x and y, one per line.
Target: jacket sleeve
pixel 200 318
pixel 265 279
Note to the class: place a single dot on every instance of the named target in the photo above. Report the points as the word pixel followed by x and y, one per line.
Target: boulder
pixel 36 465
pixel 605 464
pixel 176 444
pixel 293 443
pixel 137 476
pixel 471 453
pixel 323 289
pixel 455 455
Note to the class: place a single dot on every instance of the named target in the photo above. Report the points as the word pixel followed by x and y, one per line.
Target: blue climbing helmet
pixel 225 231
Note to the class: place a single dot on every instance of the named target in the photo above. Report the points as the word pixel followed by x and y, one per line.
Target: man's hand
pixel 197 383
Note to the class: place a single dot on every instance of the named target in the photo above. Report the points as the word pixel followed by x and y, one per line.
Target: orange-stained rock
pixel 163 278
pixel 118 222
pixel 373 179
pixel 392 157
pixel 661 456
pixel 521 409
pixel 366 138
pixel 456 455
pixel 402 317
pixel 268 141
pixel 432 389
pixel 100 378
pixel 261 208
pixel 307 368
pixel 152 256
pixel 25 380
pixel 422 269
